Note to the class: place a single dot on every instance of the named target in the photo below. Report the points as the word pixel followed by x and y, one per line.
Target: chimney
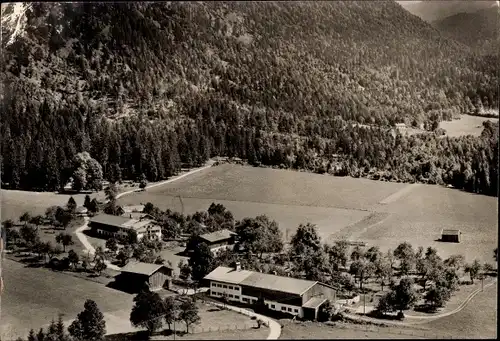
pixel 237 266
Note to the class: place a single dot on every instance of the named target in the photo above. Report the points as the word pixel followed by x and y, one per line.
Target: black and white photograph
pixel 249 170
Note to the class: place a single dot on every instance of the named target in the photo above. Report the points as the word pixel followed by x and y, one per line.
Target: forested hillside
pixel 146 87
pixel 479 30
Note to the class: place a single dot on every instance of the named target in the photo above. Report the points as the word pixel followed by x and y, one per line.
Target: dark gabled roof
pixel 217 236
pixel 451 232
pixel 142 268
pixel 108 219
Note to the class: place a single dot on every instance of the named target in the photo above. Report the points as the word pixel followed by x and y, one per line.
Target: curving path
pixel 83 239
pixel 421 319
pixel 274 326
pixel 454 311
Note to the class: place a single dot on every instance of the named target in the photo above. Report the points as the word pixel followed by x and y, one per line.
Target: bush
pixel 401 316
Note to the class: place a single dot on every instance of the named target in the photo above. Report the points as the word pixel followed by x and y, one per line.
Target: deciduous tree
pixel 89 324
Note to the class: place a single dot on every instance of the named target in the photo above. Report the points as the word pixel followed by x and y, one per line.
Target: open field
pixel 33 296
pixel 311 330
pixel 379 213
pixel 466 125
pixel 419 216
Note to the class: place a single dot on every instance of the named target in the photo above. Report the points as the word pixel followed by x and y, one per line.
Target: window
pixel 224 286
pixel 273 306
pixel 230 296
pixel 237 297
pixel 230 287
pixel 214 285
pixel 297 311
pixel 283 308
pixel 289 309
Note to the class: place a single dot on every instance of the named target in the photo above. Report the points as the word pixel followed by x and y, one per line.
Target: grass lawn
pixel 466 125
pixel 14 203
pixel 33 296
pixel 315 330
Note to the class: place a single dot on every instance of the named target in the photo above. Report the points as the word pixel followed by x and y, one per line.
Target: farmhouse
pixel 216 240
pixel 135 274
pixel 451 236
pixel 294 296
pixel 108 225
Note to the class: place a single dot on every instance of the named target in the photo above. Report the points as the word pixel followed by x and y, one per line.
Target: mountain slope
pixel 146 86
pixel 432 10
pixel 479 30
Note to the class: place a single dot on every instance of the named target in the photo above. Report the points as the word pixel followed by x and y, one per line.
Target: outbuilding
pixel 452 236
pixel 135 274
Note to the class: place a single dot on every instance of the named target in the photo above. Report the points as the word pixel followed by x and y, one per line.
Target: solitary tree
pixel 32 335
pixel 188 312
pixel 437 296
pixel 86 202
pixel 100 266
pixel 338 254
pixel 25 218
pixel 36 220
pixel 201 261
pixel 40 336
pixel 171 311
pixel 65 240
pixel 404 252
pixel 406 295
pixel 60 329
pixel 473 269
pixel 386 304
pixel 89 324
pixel 73 258
pixel 112 244
pixel 71 205
pixel 148 311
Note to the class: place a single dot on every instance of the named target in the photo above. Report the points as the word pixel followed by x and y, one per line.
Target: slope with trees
pixel 194 80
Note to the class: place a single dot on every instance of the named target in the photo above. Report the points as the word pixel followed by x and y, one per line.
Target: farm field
pixel 419 216
pixel 379 213
pixel 466 125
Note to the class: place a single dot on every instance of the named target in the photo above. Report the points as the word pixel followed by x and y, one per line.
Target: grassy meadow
pixel 379 213
pixel 466 125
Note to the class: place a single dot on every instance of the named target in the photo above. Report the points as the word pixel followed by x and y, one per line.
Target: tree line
pixel 246 84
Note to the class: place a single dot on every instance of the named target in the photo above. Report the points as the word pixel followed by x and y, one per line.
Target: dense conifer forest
pixel 148 87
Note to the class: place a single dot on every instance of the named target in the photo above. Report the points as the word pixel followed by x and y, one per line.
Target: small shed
pixel 452 236
pixel 135 274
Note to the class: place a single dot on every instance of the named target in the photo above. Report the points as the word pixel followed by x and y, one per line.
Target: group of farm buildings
pixel 298 297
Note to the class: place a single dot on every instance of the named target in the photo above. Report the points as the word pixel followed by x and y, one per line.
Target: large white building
pixel 293 296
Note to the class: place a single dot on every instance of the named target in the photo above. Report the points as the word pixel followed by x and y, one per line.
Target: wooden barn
pixel 452 236
pixel 135 274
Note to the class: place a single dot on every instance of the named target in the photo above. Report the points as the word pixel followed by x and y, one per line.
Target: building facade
pixel 293 296
pixel 110 226
pixel 134 275
pixel 452 236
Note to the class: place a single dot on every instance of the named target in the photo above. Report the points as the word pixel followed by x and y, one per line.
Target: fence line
pixel 396 331
pixel 224 327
